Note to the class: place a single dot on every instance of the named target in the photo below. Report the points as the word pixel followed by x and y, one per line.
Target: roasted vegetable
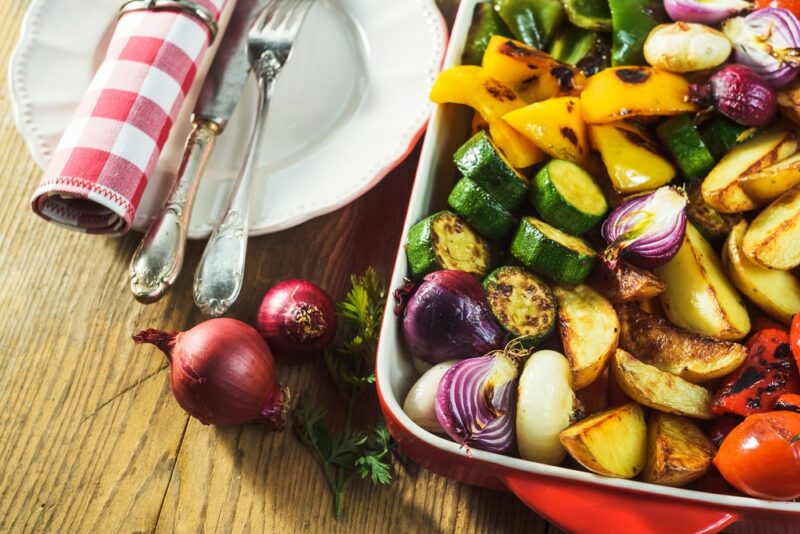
pixel 611 443
pixel 678 452
pixel 693 357
pixel 768 372
pixel 522 303
pixel 705 11
pixel 480 210
pixel 658 389
pixel 445 241
pixel 738 93
pixel 686 47
pixel 421 399
pixel 773 238
pixel 589 331
pixel 473 86
pixel 532 21
pixel 633 160
pixel 485 23
pixel 625 92
pixel 769 183
pixel 775 292
pixel 589 14
pixel 788 402
pixel 760 456
pixel 555 126
pixel 628 283
pixel 687 147
pixel 546 405
pixel 567 197
pixel 589 51
pixel 720 134
pixel 722 188
pixel 632 21
pixel 712 224
pixel 448 318
pixel 699 297
pixel 531 73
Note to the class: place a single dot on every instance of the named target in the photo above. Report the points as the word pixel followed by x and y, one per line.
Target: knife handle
pixel 158 258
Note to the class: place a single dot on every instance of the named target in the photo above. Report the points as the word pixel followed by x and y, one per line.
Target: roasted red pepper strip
pixel 788 401
pixel 768 372
pixel 794 338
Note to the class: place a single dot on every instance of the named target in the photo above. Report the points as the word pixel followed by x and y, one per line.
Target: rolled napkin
pixel 102 163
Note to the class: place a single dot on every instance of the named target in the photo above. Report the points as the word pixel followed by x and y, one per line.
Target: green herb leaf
pixel 345 452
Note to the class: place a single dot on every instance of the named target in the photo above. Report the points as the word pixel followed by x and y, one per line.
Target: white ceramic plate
pixel 348 107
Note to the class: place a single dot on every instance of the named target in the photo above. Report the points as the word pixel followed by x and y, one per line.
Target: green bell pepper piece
pixel 485 23
pixel 534 22
pixel 631 21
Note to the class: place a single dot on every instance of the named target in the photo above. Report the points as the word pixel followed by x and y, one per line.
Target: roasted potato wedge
pixel 611 443
pixel 660 390
pixel 699 297
pixel 594 397
pixel 589 331
pixel 768 184
pixel 773 238
pixel 693 357
pixel 775 292
pixel 628 282
pixel 678 452
pixel 722 188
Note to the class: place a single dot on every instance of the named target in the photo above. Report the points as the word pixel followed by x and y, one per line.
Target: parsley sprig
pixel 347 453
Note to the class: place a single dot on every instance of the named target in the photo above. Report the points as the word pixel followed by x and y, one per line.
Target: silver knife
pixel 158 258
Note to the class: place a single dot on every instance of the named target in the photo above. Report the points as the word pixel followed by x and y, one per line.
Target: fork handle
pixel 219 276
pixel 157 260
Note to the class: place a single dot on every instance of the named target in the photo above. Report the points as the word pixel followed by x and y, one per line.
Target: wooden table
pixel 90 437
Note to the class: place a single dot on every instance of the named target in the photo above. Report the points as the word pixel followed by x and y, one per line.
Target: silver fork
pixel 218 279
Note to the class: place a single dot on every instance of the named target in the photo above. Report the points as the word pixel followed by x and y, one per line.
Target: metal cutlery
pixel 157 261
pixel 219 276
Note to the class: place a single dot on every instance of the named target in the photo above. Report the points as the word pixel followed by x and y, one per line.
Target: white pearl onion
pixel 686 47
pixel 420 401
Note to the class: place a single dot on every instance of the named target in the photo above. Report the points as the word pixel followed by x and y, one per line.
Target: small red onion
pixel 767 41
pixel 448 317
pixel 222 373
pixel 647 229
pixel 298 320
pixel 738 93
pixel 705 11
pixel 475 402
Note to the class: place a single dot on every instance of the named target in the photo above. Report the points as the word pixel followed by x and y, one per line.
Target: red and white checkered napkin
pixel 109 150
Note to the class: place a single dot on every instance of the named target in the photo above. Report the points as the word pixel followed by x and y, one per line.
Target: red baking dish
pixel 574 500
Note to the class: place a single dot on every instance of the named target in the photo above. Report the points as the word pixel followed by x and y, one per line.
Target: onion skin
pixel 767 41
pixel 476 402
pixel 449 318
pixel 706 12
pixel 648 229
pixel 222 373
pixel 738 93
pixel 297 318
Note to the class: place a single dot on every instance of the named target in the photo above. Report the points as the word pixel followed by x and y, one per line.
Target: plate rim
pixel 408 138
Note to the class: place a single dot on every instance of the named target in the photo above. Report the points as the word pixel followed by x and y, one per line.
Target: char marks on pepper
pixel 511 49
pixel 633 75
pixel 565 77
pixel 499 91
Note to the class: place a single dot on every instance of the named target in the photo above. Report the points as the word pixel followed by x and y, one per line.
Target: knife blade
pixel 157 261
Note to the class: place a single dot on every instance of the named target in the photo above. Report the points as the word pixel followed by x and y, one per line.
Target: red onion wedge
pixel 738 93
pixel 648 229
pixel 476 401
pixel 767 41
pixel 705 11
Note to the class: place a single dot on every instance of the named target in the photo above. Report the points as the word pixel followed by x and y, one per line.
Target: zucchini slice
pixel 721 134
pixel 484 213
pixel 481 161
pixel 567 197
pixel 445 241
pixel 485 23
pixel 548 251
pixel 686 146
pixel 589 14
pixel 522 303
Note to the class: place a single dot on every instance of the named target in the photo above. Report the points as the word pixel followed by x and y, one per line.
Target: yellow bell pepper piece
pixel 472 86
pixel 532 74
pixel 554 125
pixel 623 92
pixel 633 161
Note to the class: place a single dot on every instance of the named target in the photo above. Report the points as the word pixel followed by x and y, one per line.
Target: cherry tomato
pixel 791 5
pixel 761 456
pixel 794 338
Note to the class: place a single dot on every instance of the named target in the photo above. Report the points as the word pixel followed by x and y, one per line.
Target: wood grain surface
pixel 90 437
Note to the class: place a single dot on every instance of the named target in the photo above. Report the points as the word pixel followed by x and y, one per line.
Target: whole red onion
pixel 222 373
pixel 298 320
pixel 738 93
